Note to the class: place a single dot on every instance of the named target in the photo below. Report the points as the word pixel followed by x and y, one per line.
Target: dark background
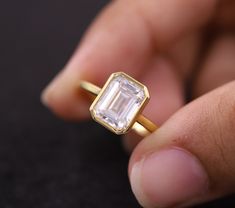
pixel 45 162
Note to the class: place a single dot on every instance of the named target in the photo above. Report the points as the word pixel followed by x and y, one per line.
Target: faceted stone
pixel 119 103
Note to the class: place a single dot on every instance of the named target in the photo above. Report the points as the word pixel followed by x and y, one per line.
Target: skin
pixel 164 44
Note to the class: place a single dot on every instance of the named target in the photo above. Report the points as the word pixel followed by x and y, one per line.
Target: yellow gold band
pixel 142 126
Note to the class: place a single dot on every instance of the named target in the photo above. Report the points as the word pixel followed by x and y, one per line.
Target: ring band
pixel 118 105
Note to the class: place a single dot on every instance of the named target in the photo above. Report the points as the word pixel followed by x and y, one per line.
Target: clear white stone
pixel 119 103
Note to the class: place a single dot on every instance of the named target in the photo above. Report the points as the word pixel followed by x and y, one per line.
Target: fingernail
pixel 167 178
pixel 44 97
pixel 48 91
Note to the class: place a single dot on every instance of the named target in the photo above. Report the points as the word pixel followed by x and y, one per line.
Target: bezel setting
pixel 119 103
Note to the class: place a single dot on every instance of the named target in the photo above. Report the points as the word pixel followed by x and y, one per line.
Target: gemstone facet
pixel 119 102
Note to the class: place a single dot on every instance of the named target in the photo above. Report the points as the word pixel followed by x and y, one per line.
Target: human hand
pixel 191 158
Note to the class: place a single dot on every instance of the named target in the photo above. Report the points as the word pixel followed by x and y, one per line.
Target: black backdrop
pixel 45 162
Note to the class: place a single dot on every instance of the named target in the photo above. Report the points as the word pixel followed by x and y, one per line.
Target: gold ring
pixel 119 104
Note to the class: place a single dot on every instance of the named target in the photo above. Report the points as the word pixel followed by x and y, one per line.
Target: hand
pixel 163 43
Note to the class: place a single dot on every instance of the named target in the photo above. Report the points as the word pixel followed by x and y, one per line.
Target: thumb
pixel 191 158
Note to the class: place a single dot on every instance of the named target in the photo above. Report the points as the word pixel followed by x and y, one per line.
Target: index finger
pixel 125 36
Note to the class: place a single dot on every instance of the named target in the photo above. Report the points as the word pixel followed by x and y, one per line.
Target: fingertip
pixel 167 178
pixel 64 98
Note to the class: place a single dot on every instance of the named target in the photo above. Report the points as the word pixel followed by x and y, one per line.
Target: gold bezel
pixel 140 109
